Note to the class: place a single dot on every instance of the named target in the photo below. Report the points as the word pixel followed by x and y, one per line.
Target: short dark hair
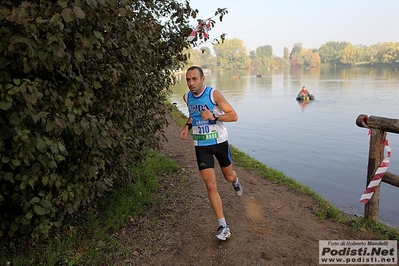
pixel 199 69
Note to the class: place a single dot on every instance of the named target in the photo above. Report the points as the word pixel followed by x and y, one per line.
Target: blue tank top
pixel 205 132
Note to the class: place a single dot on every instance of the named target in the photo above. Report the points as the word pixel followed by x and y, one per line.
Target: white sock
pixel 236 183
pixel 222 222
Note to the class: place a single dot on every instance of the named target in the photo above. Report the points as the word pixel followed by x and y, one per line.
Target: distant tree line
pixel 231 54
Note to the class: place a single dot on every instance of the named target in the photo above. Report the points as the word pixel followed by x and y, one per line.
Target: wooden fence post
pixel 376 155
pixel 379 127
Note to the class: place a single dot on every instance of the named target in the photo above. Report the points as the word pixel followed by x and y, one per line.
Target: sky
pixel 283 23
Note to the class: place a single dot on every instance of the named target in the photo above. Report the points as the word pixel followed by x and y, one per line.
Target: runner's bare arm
pixel 230 114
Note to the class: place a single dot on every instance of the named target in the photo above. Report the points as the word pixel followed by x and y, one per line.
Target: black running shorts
pixel 205 155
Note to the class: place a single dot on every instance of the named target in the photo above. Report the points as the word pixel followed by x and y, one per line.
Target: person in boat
pixel 304 94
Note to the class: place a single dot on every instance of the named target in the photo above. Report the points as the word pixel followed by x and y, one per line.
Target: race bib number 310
pixel 205 132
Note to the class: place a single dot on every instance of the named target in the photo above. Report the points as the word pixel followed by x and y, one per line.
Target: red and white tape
pixel 379 174
pixel 205 25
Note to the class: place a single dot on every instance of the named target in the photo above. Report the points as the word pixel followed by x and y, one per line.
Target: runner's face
pixel 194 81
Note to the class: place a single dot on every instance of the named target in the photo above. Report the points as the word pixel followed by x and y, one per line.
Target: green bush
pixel 82 92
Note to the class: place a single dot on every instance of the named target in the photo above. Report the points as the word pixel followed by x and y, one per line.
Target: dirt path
pixel 270 224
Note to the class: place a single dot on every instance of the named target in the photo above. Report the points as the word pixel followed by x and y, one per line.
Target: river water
pixel 318 144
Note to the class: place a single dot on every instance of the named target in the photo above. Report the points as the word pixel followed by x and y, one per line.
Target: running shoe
pixel 223 233
pixel 238 189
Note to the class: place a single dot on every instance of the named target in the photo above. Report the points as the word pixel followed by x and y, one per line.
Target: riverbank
pixel 272 224
pixel 276 222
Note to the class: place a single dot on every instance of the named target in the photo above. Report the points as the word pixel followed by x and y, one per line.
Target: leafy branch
pixel 200 36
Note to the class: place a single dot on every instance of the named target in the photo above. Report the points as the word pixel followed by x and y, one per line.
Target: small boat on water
pixel 304 95
pixel 301 97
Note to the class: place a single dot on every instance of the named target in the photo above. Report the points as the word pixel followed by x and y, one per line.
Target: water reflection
pixel 303 104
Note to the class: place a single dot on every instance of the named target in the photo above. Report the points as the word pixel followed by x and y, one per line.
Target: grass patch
pixel 178 116
pixel 91 237
pixel 382 230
